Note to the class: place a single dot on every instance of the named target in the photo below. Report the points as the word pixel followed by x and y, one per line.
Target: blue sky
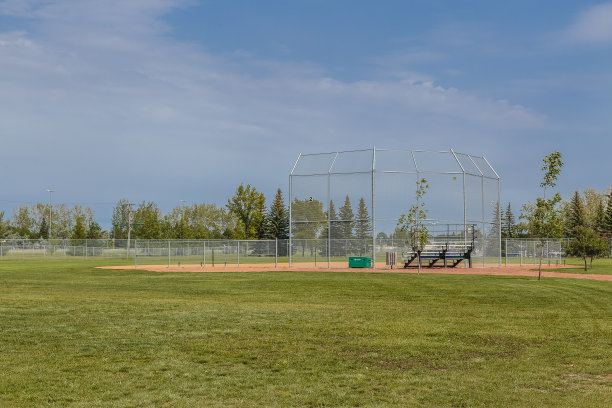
pixel 170 100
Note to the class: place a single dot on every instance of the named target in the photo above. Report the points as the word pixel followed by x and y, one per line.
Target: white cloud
pixel 594 25
pixel 102 86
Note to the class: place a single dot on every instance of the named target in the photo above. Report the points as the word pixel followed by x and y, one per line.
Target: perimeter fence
pixel 320 253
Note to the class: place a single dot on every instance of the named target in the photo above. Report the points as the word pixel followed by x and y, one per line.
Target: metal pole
pixel 521 251
pixel 329 216
pixel 238 254
pixel 373 207
pixel 168 253
pixel 135 253
pixel 290 217
pixel 276 253
pixel 484 239
pixel 464 204
pixel 129 228
pixel 506 254
pixel 498 209
pixel 50 212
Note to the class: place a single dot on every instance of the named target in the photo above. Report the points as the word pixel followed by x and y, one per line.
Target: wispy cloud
pixel 102 85
pixel 592 26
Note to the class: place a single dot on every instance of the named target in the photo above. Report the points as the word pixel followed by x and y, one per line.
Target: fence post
pixel 168 253
pixel 238 245
pixel 276 253
pixel 521 251
pixel 135 253
pixel 506 253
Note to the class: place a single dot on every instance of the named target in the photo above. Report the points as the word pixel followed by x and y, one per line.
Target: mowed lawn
pixel 76 336
pixel 599 266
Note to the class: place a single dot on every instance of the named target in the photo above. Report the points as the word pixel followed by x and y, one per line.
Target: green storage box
pixel 360 262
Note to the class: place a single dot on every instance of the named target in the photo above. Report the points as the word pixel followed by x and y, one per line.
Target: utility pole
pixel 49 232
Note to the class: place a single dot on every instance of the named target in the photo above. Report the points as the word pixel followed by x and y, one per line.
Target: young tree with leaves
pixel 547 220
pixel 412 223
pixel 587 244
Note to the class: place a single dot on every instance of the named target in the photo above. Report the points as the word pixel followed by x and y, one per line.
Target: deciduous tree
pixel 587 244
pixel 547 220
pixel 248 205
pixel 412 223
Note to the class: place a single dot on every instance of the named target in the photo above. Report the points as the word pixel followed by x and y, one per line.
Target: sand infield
pixel 510 270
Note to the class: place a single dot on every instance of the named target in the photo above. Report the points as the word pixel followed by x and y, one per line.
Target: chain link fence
pixel 319 253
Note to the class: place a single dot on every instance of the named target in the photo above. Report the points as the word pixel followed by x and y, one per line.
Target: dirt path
pixel 511 270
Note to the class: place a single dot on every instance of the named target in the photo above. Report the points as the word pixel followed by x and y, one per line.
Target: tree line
pixel 586 217
pixel 587 208
pixel 245 216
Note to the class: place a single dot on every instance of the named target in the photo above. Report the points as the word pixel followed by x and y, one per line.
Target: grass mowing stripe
pixel 77 336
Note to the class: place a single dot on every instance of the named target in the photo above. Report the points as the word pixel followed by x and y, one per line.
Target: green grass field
pixel 77 336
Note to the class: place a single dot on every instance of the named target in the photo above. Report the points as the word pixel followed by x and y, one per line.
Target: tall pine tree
pixel 576 216
pixel 600 217
pixel 79 231
pixel 363 228
pixel 43 231
pixel 508 223
pixel 607 223
pixel 277 219
pixel 348 219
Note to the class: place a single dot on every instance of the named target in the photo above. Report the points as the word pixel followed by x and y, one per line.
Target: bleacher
pixel 441 254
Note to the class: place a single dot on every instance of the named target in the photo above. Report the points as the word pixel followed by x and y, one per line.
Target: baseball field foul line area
pixel 511 270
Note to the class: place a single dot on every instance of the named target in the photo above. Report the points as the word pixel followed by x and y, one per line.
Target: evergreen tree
pixel 5 226
pixel 79 231
pixel 43 231
pixel 93 230
pixel 576 216
pixel 508 223
pixel 600 218
pixel 334 221
pixel 348 219
pixel 277 225
pixel 607 222
pixel 363 228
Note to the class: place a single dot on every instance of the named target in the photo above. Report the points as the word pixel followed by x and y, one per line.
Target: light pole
pixel 129 229
pixel 49 232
